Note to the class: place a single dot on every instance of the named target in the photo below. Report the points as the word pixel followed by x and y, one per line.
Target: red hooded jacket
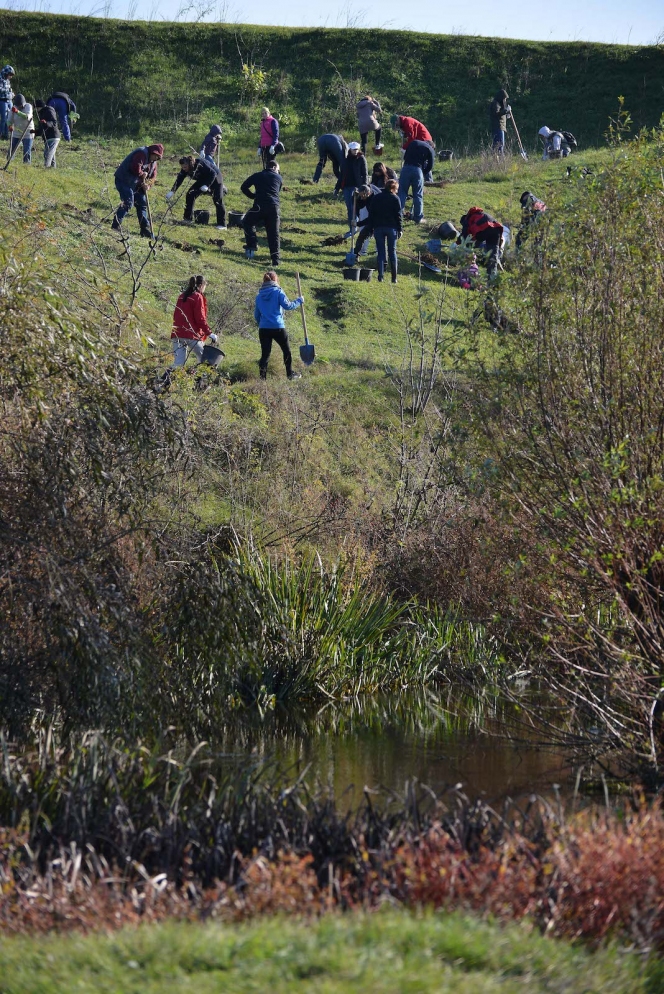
pixel 413 130
pixel 190 317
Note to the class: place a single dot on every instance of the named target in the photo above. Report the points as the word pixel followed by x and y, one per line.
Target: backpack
pixel 569 138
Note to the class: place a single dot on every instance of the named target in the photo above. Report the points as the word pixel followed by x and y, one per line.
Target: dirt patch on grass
pixel 329 305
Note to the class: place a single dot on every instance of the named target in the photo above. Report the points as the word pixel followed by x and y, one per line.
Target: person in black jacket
pixel 47 128
pixel 354 174
pixel 499 111
pixel 417 162
pixel 206 179
pixel 266 209
pixel 64 106
pixel 331 147
pixel 385 218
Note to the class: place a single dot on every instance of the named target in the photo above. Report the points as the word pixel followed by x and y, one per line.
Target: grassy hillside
pixel 126 76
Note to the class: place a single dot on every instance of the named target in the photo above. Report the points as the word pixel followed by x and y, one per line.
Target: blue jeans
pixel 412 177
pixel 130 198
pixel 390 236
pixel 498 141
pixel 27 147
pixel 348 197
pixel 4 113
pixel 61 108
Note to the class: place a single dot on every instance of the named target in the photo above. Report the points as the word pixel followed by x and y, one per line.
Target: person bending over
pixel 133 178
pixel 271 302
pixel 331 147
pixel 48 130
pixel 206 179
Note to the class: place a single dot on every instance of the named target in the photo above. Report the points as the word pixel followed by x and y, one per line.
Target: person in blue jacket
pixel 63 105
pixel 417 162
pixel 133 177
pixel 271 302
pixel 332 147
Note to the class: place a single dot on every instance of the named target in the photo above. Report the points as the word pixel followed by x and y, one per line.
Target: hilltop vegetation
pixel 129 77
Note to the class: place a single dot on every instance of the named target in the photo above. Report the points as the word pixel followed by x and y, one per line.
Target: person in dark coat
pixel 206 179
pixel 331 147
pixel 47 128
pixel 417 162
pixel 210 143
pixel 499 111
pixel 353 175
pixel 63 105
pixel 266 209
pixel 386 220
pixel 133 178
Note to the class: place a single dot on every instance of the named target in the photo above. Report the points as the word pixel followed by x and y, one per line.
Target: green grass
pixel 400 953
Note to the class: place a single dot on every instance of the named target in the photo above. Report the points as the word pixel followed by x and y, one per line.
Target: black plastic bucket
pixel 212 355
pixel 365 275
pixel 445 154
pixel 202 217
pixel 352 273
pixel 235 219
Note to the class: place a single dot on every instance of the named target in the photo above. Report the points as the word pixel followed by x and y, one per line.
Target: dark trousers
pixel 366 232
pixel 324 156
pixel 364 136
pixel 216 192
pixel 263 216
pixel 390 236
pixel 266 337
pixel 267 156
pixel 132 197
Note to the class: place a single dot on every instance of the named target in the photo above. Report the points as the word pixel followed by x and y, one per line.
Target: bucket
pixel 202 217
pixel 445 154
pixel 212 355
pixel 235 219
pixel 365 275
pixel 352 274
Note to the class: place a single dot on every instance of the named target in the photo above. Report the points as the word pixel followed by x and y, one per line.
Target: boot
pixel 262 372
pixel 393 270
pixel 146 232
pixel 115 224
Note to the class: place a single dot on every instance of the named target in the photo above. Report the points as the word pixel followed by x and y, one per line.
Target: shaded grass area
pixel 387 952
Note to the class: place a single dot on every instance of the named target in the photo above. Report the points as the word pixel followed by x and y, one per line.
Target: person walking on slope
pixel 206 179
pixel 353 176
pixel 211 144
pixel 133 177
pixel 367 108
pixel 47 129
pixel 269 137
pixel 6 98
pixel 413 130
pixel 331 147
pixel 499 111
pixel 190 327
pixel 64 106
pixel 266 210
pixel 386 220
pixel 21 126
pixel 417 162
pixel 271 302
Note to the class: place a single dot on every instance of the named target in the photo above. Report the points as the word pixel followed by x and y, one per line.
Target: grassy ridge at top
pixel 127 76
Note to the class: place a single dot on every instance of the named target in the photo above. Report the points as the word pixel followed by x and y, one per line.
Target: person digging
pixel 206 178
pixel 271 302
pixel 133 178
pixel 263 188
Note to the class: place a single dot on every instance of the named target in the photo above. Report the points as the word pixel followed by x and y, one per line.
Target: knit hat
pixel 157 150
pixel 19 101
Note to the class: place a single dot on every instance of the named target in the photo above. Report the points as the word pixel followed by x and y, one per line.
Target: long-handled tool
pixel 420 261
pixel 307 351
pixel 350 256
pixel 524 154
pixel 152 238
pixel 14 150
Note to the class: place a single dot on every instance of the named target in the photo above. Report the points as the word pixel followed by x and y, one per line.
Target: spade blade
pixel 307 354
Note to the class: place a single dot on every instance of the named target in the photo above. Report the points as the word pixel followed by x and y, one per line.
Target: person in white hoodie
pixel 22 126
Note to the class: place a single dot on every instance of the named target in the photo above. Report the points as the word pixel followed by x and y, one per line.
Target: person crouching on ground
pixel 133 177
pixel 48 130
pixel 21 126
pixel 271 302
pixel 190 327
pixel 206 179
pixel 385 218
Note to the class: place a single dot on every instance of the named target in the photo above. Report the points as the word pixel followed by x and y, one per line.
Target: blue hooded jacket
pixel 271 302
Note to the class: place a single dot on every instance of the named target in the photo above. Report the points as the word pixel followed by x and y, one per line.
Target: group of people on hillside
pixel 22 123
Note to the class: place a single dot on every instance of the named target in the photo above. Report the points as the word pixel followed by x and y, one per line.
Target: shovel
pixel 426 265
pixel 524 154
pixel 350 256
pixel 307 351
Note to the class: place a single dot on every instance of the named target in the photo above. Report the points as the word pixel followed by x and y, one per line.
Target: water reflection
pixel 481 742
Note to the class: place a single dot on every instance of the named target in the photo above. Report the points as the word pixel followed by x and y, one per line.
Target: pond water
pixel 482 745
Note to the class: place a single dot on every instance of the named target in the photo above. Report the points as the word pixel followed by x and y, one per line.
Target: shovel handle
pixel 304 319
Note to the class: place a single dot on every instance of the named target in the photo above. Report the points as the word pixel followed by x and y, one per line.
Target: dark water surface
pixel 484 745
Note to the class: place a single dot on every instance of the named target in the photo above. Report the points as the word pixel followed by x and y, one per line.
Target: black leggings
pixel 364 136
pixel 279 335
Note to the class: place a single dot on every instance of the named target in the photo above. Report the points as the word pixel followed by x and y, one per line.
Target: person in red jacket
pixel 190 327
pixel 413 130
pixel 487 236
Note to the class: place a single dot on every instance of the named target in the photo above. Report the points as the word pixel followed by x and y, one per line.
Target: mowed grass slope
pixel 391 952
